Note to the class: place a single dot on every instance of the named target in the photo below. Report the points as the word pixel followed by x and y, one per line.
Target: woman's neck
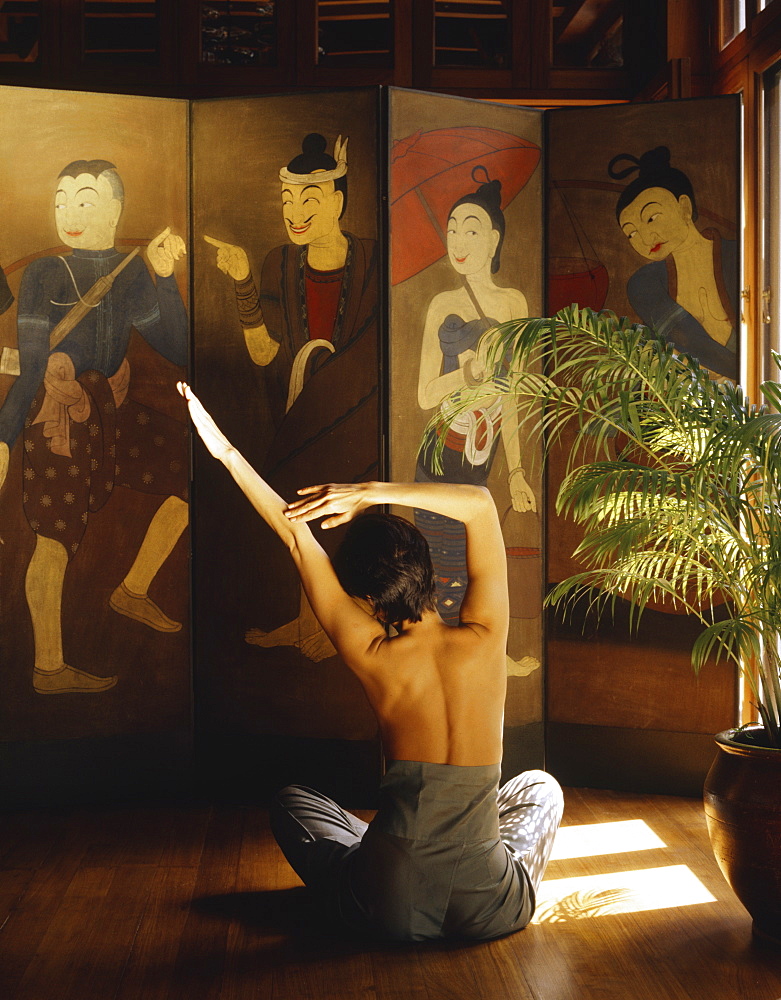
pixel 695 248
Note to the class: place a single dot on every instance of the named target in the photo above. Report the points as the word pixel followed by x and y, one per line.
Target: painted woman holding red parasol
pixel 452 356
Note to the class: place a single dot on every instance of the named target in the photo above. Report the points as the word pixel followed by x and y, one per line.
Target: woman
pixel 449 854
pixel 688 293
pixel 452 356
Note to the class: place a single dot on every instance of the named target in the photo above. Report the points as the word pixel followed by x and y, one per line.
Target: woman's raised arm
pixel 352 631
pixel 486 601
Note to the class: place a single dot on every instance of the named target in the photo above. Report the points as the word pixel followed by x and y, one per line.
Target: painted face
pixel 471 239
pixel 657 223
pixel 86 212
pixel 311 211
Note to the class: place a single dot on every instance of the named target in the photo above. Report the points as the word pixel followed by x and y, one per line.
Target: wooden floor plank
pixel 149 971
pixel 196 902
pixel 59 965
pixel 13 885
pixel 29 919
pixel 187 836
pixel 109 932
pixel 201 958
pixel 398 972
pixel 27 838
pixel 131 837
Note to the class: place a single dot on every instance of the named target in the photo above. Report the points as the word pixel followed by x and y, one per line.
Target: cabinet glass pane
pixel 732 19
pixel 126 32
pixel 771 291
pixel 588 33
pixel 472 33
pixel 239 34
pixel 20 28
pixel 354 33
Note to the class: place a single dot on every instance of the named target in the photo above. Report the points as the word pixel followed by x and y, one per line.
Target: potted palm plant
pixel 675 478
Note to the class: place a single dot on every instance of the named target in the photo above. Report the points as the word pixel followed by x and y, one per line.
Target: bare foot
pixel 523 667
pixel 315 646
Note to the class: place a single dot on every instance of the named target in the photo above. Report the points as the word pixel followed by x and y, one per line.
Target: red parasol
pixel 431 170
pixel 576 279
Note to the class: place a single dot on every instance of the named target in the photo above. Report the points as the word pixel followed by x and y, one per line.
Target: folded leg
pixel 314 833
pixel 530 810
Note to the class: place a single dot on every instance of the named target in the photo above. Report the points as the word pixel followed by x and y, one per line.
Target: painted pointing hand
pixel 231 260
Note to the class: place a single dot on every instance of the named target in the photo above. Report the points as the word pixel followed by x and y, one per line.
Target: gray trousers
pixel 462 880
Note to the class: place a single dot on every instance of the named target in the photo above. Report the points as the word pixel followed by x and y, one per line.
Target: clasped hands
pixel 477 363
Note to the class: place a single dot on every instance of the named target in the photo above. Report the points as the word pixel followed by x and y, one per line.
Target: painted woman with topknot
pixel 688 292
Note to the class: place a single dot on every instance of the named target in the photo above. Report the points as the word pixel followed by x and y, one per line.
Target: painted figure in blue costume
pixel 83 432
pixel 688 291
pixel 452 356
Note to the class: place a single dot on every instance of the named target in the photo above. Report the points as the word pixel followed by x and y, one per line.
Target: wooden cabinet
pixel 483 48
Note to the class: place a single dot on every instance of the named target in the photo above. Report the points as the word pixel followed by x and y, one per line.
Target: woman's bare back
pixel 438 693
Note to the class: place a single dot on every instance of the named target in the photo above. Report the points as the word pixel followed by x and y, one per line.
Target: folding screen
pixel 450 283
pixel 322 357
pixel 643 219
pixel 291 373
pixel 94 605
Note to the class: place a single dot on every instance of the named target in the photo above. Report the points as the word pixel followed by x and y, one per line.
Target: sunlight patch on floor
pixel 593 839
pixel 619 892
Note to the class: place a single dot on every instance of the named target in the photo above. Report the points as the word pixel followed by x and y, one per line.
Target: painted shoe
pixel 69 680
pixel 141 608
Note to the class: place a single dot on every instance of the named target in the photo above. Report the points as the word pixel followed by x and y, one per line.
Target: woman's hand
pixel 338 502
pixel 521 493
pixel 219 446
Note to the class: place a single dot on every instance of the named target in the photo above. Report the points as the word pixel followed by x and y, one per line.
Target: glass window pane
pixel 125 32
pixel 732 19
pixel 354 33
pixel 239 34
pixel 472 34
pixel 588 33
pixel 20 29
pixel 771 293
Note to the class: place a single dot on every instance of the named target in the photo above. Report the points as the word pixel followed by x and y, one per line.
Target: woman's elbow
pixel 481 502
pixel 427 399
pixel 299 541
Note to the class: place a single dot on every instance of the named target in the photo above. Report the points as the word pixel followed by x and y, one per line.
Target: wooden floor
pixel 196 902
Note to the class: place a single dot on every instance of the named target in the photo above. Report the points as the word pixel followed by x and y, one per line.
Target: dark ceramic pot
pixel 743 809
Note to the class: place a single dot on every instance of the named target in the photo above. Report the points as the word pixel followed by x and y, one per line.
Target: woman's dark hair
pixel 314 157
pixel 653 170
pixel 385 559
pixel 488 197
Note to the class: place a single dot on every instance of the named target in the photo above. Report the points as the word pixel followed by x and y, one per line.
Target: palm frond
pixel 673 474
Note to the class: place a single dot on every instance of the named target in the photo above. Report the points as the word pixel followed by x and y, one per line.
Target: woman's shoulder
pixel 510 303
pixel 452 300
pixel 513 295
pixel 449 297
